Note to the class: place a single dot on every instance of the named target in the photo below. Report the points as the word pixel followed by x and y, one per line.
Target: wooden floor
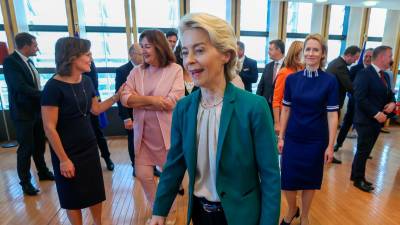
pixel 337 203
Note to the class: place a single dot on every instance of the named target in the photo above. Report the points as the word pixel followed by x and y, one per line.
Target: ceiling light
pixel 370 3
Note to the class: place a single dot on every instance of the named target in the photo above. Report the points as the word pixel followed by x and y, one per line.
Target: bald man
pixel 136 58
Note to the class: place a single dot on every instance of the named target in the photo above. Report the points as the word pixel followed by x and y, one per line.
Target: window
pixel 104 13
pixel 214 7
pixel 376 27
pixel 254 29
pixel 3 36
pixel 47 31
pixel 165 15
pixel 338 25
pixel 298 22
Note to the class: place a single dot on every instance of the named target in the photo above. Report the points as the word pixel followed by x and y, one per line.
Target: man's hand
pixel 380 117
pixel 128 124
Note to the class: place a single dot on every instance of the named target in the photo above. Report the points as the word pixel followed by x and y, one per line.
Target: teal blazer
pixel 248 178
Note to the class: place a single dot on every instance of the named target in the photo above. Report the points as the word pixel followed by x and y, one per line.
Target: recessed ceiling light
pixel 370 3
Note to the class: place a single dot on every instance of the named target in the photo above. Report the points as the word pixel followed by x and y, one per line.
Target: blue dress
pixel 310 95
pixel 79 142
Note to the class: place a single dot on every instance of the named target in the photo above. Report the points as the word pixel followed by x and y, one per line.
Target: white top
pixel 208 120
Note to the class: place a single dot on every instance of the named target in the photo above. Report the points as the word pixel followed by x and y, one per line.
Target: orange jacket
pixel 280 86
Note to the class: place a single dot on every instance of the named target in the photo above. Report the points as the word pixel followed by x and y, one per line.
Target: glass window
pixel 214 7
pixel 46 12
pixel 3 93
pixel 165 15
pixel 299 17
pixel 3 36
pixel 104 13
pixel 377 22
pixel 254 15
pixel 373 44
pixel 46 42
pixel 108 49
pixel 336 19
pixel 106 85
pixel 1 17
pixel 333 49
pixel 255 48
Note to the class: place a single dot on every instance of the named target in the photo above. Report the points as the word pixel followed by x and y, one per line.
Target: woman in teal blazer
pixel 221 135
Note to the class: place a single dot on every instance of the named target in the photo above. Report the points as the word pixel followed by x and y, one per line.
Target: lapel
pixel 226 114
pixel 191 137
pixel 23 65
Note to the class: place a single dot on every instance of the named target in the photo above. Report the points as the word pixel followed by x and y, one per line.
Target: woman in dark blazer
pixel 221 135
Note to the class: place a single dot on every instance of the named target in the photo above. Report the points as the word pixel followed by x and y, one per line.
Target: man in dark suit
pixel 339 68
pixel 246 67
pixel 348 117
pixel 374 103
pixel 101 140
pixel 24 93
pixel 276 52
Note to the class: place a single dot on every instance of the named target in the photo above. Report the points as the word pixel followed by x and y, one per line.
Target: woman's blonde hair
pixel 221 35
pixel 293 57
pixel 324 47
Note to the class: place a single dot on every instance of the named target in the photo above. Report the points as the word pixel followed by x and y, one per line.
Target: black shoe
pixel 336 161
pixel 365 181
pixel 46 176
pixel 336 148
pixel 29 189
pixel 109 163
pixel 181 192
pixel 156 172
pixel 363 186
pixel 295 216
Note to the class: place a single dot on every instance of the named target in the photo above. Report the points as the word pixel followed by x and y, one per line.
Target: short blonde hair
pixel 324 47
pixel 221 35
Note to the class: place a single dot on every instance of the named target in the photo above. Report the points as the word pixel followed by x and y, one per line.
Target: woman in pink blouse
pixel 152 90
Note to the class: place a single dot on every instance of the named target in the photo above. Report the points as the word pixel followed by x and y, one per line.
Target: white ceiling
pixel 387 4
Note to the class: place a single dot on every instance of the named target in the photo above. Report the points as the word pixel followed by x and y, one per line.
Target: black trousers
pixel 347 123
pixel 131 148
pixel 201 217
pixel 367 136
pixel 101 140
pixel 32 142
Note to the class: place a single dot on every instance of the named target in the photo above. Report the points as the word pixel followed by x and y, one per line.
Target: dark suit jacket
pixel 354 70
pixel 23 96
pixel 266 85
pixel 249 73
pixel 122 73
pixel 371 95
pixel 248 180
pixel 338 67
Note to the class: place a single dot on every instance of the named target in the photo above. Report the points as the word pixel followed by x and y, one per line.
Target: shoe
pixel 109 163
pixel 295 216
pixel 181 192
pixel 365 181
pixel 156 172
pixel 363 186
pixel 46 176
pixel 29 189
pixel 336 161
pixel 385 130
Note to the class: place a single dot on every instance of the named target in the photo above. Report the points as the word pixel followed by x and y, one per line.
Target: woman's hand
pixel 281 142
pixel 159 102
pixel 157 220
pixel 67 168
pixel 116 97
pixel 329 154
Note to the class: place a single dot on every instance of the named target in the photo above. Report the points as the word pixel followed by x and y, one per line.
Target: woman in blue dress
pixel 309 120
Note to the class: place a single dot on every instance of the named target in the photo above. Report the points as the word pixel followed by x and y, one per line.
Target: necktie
pixel 35 73
pixel 382 75
pixel 276 64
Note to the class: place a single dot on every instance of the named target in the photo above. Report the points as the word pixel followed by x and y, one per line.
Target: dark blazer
pixel 266 85
pixel 249 73
pixel 122 73
pixel 23 96
pixel 354 70
pixel 371 95
pixel 338 67
pixel 248 180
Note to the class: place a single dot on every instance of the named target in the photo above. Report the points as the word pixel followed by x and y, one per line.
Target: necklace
pixel 205 104
pixel 83 113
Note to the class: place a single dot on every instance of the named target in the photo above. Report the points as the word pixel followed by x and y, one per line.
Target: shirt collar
pixel 377 69
pixel 280 61
pixel 22 56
